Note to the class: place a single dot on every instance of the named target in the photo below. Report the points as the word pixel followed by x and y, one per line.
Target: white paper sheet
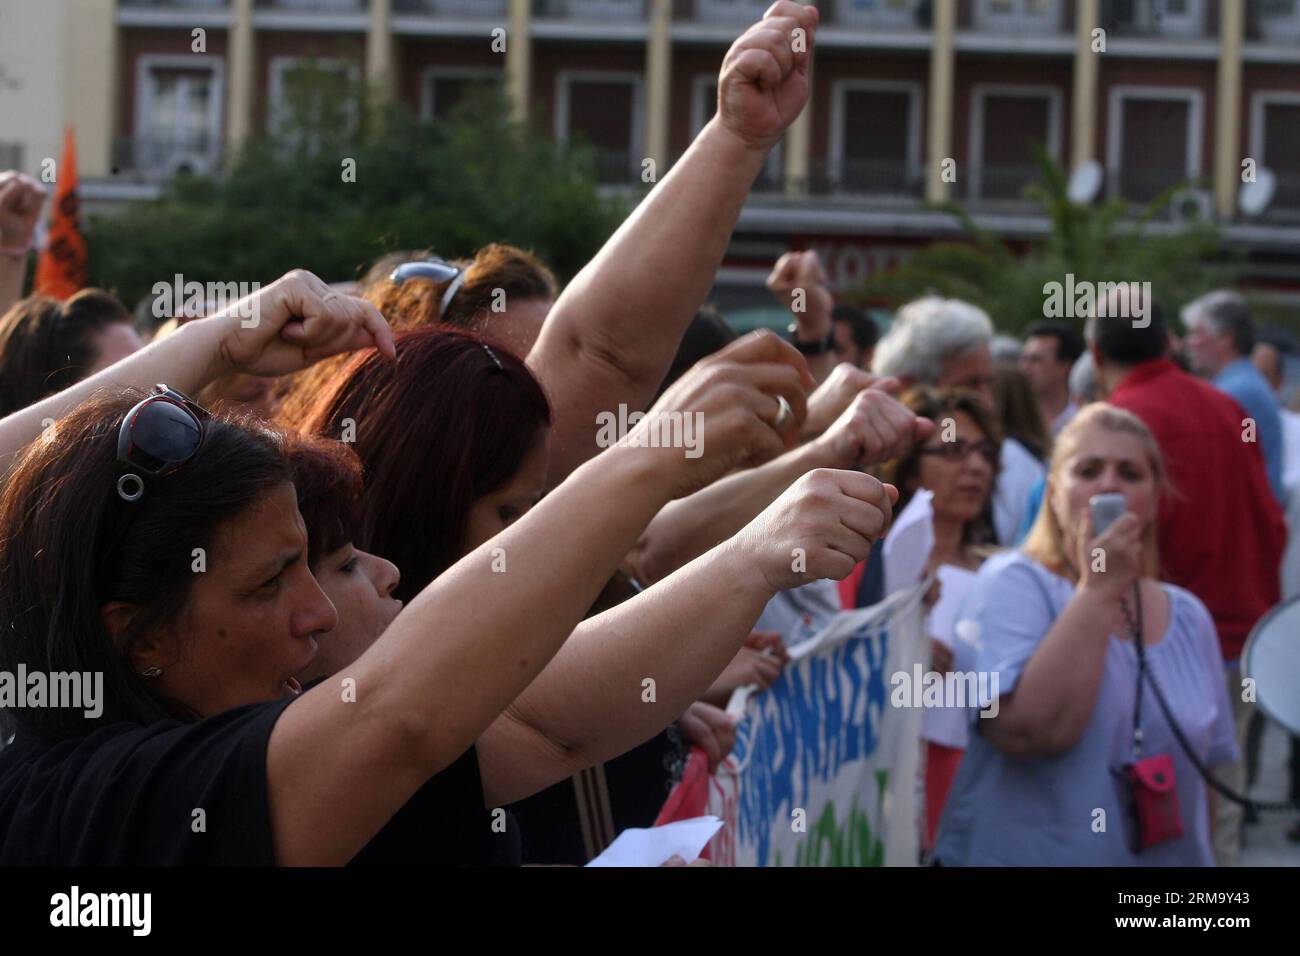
pixel 908 545
pixel 948 725
pixel 954 584
pixel 654 846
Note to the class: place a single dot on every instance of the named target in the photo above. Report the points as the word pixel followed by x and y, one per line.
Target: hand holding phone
pixel 1106 510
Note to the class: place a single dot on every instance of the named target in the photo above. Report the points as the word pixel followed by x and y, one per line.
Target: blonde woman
pixel 1063 625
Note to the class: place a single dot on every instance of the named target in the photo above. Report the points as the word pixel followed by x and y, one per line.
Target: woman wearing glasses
pixel 958 465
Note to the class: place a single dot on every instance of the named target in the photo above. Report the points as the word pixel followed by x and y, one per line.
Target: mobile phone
pixel 1106 510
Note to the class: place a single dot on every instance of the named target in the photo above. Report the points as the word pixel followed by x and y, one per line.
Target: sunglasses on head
pixel 435 270
pixel 158 436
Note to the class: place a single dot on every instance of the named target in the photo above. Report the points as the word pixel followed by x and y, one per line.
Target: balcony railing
pixel 730 11
pixel 323 6
pixel 1170 19
pixel 456 8
pixel 599 10
pixel 1146 183
pixel 178 4
pixel 1000 182
pixel 879 14
pixel 1274 21
pixel 1019 17
pixel 159 157
pixel 876 178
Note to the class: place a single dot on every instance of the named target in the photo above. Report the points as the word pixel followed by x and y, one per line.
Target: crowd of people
pixel 365 584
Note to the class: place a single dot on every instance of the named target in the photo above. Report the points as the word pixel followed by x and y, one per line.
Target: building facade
pixel 914 101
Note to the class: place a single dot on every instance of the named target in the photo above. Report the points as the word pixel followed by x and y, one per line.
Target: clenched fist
pixel 21 200
pixel 764 80
pixel 823 525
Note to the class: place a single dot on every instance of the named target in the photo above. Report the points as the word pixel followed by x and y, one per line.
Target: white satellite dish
pixel 1271 659
pixel 1085 183
pixel 1255 196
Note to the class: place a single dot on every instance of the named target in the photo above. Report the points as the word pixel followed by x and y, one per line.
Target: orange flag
pixel 61 269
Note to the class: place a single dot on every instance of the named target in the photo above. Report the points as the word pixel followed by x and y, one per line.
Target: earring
pixel 151 672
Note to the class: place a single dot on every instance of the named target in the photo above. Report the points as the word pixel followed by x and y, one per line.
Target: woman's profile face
pixel 496 511
pixel 1103 462
pixel 253 616
pixel 360 585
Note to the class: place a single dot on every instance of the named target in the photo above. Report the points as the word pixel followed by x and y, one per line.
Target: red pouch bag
pixel 1155 799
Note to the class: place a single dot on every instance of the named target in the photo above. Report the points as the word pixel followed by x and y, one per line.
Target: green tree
pixel 287 202
pixel 1108 242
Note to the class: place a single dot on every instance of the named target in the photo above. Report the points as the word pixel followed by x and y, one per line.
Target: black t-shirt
pixel 129 795
pixel 637 784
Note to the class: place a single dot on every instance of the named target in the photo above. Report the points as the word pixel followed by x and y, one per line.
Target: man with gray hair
pixel 1220 338
pixel 947 343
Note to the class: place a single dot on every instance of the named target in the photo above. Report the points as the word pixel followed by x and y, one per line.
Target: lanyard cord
pixel 1135 631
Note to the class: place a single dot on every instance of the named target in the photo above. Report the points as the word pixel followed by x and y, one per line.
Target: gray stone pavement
pixel 1266 843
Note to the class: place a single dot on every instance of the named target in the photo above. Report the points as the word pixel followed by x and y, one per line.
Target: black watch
pixel 820 347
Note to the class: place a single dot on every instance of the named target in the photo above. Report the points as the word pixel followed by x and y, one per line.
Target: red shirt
pixel 1221 532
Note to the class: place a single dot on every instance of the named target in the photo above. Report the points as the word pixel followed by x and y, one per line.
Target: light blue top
pixel 1032 504
pixel 1041 811
pixel 1242 381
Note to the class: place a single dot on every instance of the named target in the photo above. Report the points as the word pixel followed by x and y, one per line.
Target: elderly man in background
pixel 947 343
pixel 1220 338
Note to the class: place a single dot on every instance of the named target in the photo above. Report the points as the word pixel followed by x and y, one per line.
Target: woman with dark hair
pixel 47 345
pixel 200 609
pixel 957 465
pixel 1018 411
pixel 453 436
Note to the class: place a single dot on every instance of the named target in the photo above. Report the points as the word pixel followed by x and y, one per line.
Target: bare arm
pixel 1056 695
pixel 875 427
pixel 298 321
pixel 593 702
pixel 689 527
pixel 467 646
pixel 613 333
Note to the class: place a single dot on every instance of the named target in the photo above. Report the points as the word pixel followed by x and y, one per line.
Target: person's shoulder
pixel 1018 460
pixel 1179 398
pixel 1015 571
pixel 124 740
pixel 1187 612
pixel 1014 452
